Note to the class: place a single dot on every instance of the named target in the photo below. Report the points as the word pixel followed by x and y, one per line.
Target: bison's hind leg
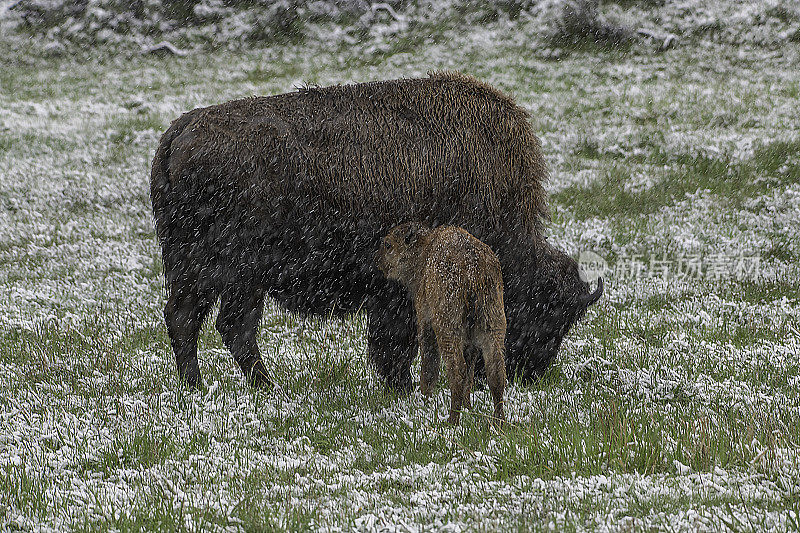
pixel 186 309
pixel 237 323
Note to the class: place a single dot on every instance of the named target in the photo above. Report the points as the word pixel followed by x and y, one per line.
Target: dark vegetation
pixel 212 23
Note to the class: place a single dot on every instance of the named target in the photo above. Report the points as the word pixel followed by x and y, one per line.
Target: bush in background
pixel 550 23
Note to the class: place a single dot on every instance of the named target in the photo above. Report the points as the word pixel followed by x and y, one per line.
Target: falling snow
pixel 95 430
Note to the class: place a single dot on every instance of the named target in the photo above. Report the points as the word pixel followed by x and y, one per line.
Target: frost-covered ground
pixel 674 405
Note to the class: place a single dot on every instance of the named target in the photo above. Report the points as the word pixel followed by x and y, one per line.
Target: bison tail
pixel 178 221
pixel 161 194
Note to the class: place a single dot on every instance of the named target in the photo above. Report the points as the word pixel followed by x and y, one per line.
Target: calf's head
pixel 398 254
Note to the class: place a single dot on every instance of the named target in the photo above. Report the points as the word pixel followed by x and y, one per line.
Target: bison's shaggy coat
pixel 288 196
pixel 457 288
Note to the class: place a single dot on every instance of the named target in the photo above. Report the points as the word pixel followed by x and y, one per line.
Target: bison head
pixel 545 296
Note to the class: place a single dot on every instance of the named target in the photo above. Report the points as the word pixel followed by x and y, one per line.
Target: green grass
pixel 732 181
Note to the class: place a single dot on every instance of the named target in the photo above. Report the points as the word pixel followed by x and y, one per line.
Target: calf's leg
pixel 471 355
pixel 451 349
pixel 494 362
pixel 429 367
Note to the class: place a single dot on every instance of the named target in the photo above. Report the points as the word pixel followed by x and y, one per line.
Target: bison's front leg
pixel 239 316
pixel 392 338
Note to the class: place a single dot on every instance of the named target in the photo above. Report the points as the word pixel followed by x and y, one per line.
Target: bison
pixel 456 284
pixel 288 196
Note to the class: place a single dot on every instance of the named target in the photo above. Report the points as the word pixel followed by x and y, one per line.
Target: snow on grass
pixel 673 405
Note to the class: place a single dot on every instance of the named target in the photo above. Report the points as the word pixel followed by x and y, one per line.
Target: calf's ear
pixel 410 234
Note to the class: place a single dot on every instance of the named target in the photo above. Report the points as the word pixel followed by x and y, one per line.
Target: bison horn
pixel 591 298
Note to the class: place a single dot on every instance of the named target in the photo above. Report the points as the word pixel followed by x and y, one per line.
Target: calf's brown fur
pixel 456 285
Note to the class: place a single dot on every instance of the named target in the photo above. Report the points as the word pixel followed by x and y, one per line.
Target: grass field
pixel 674 405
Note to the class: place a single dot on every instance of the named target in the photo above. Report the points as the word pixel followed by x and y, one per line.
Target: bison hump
pixel 448 148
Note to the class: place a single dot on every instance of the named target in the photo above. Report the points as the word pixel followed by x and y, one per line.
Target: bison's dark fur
pixel 288 196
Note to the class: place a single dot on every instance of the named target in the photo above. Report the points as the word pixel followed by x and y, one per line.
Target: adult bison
pixel 289 195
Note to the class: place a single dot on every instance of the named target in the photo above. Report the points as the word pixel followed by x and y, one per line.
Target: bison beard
pixel 287 196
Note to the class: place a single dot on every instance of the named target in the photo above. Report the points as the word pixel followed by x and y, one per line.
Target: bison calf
pixel 457 288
